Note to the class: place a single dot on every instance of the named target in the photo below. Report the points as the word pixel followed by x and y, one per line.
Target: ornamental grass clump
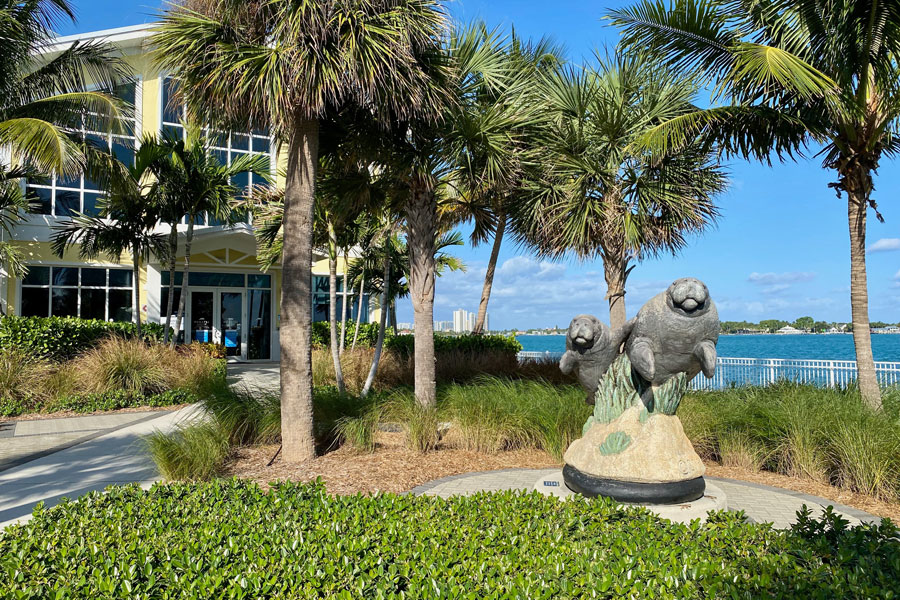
pixel 21 381
pixel 230 538
pixel 827 435
pixel 125 364
pixel 194 451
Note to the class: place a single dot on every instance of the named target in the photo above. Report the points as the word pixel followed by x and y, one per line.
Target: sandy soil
pixel 394 468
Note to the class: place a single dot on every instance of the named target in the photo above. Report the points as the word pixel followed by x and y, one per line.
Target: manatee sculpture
pixel 591 347
pixel 675 332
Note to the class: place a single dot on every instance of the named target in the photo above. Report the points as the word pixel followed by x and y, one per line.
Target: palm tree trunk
pixel 382 325
pixel 614 270
pixel 362 283
pixel 344 307
pixel 489 275
pixel 859 296
pixel 421 219
pixel 332 308
pixel 173 250
pixel 297 435
pixel 188 238
pixel 136 291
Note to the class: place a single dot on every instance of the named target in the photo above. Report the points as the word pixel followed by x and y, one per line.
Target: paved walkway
pixel 762 503
pixel 115 455
pixel 255 376
pixel 24 441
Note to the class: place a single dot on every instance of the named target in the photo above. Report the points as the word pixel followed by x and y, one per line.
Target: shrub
pixel 60 338
pixel 114 400
pixel 193 452
pixel 368 334
pixel 231 538
pixel 122 364
pixel 21 377
pixel 799 430
pixel 469 344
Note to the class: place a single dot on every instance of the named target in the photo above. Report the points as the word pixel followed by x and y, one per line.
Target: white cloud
pixel 897 275
pixel 780 278
pixel 885 245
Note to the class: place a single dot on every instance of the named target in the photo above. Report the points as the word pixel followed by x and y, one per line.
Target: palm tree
pixel 127 215
pixel 13 203
pixel 500 143
pixel 42 103
pixel 287 64
pixel 602 195
pixel 424 157
pixel 195 183
pixel 791 73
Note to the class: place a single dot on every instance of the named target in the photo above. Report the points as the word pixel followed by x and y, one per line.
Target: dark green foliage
pixel 230 538
pixel 60 338
pixel 87 403
pixel 368 333
pixel 468 344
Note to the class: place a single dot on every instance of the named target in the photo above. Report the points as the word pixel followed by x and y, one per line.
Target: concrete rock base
pixel 713 499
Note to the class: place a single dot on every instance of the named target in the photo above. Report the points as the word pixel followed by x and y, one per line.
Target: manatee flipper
pixel 706 354
pixel 567 362
pixel 620 335
pixel 642 359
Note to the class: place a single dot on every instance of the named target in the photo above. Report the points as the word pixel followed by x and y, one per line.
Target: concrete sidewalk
pixel 24 441
pixel 115 457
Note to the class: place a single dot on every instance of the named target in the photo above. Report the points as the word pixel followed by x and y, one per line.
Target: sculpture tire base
pixel 674 492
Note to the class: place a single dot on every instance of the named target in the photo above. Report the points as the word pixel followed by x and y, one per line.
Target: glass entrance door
pixel 202 317
pixel 231 322
pixel 217 316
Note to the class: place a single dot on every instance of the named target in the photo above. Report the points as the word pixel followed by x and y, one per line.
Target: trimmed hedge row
pixel 87 403
pixel 61 338
pixel 229 538
pixel 464 344
pixel 368 334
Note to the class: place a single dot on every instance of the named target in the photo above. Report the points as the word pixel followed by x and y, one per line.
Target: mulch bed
pixel 394 468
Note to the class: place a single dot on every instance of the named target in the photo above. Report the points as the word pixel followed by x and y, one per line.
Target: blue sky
pixel 780 250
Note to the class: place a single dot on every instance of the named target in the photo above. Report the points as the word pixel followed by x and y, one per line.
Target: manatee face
pixel 689 297
pixel 585 331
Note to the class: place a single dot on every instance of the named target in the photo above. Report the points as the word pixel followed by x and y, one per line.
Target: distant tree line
pixel 802 323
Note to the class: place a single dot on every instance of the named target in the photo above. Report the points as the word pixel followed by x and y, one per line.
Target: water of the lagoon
pixel 886 347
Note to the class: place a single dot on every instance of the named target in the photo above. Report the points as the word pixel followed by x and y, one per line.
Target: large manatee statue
pixel 674 332
pixel 591 347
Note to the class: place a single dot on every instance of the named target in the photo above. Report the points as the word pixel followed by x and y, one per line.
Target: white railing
pixel 764 371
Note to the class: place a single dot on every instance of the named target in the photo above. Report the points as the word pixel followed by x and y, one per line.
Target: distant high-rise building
pixel 443 325
pixel 460 320
pixel 403 326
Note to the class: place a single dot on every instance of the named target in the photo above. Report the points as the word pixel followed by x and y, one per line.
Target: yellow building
pixel 230 300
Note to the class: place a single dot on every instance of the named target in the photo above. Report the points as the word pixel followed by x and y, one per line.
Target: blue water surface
pixel 886 347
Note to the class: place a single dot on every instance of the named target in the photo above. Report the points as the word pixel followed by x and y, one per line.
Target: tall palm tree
pixel 791 73
pixel 500 143
pixel 127 215
pixel 195 182
pixel 42 102
pixel 424 157
pixel 287 64
pixel 602 194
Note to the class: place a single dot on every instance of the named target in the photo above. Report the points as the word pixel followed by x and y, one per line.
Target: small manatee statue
pixel 591 347
pixel 675 332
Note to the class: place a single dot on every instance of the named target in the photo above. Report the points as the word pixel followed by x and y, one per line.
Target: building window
pixel 64 196
pixel 88 292
pixel 322 299
pixel 225 147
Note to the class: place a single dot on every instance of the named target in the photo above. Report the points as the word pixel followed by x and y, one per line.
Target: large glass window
pixel 225 147
pixel 321 299
pixel 88 292
pixel 64 196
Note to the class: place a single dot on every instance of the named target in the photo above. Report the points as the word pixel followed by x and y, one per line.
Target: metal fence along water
pixel 732 372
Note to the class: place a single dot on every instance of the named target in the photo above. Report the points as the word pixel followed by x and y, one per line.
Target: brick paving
pixel 761 503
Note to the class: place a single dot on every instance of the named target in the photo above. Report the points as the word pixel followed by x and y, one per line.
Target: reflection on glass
pixel 260 325
pixel 201 316
pixel 231 313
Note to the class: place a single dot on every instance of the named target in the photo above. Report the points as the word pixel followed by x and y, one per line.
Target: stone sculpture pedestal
pixel 712 499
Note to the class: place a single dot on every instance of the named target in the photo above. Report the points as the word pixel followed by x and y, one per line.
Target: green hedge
pixel 231 539
pixel 368 334
pixel 63 338
pixel 87 403
pixel 467 344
